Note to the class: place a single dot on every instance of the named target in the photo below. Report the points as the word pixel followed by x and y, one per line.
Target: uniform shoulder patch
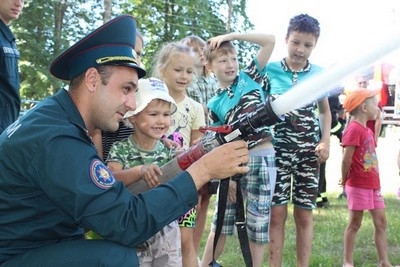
pixel 101 175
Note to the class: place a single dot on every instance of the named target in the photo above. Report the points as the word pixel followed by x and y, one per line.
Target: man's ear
pixel 92 77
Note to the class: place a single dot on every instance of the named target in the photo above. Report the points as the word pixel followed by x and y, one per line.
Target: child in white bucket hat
pixel 139 157
pixel 148 90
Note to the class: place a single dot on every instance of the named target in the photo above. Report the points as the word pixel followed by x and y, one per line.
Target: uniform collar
pixel 66 103
pixel 6 31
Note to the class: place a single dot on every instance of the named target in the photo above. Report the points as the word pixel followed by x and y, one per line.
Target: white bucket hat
pixel 149 89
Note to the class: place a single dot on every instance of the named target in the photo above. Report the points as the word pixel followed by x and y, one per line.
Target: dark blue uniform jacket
pixel 53 186
pixel 10 101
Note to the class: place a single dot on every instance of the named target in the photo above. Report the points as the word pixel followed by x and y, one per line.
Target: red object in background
pixel 384 95
pixel 386 68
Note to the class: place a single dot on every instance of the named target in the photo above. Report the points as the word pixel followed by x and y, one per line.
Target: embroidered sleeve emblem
pixel 100 174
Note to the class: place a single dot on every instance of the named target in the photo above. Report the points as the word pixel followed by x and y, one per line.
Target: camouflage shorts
pixel 297 177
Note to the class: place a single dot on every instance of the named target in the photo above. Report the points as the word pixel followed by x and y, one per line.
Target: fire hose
pixel 268 113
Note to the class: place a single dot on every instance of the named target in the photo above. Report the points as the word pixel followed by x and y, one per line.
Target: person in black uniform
pixel 53 183
pixel 337 127
pixel 10 101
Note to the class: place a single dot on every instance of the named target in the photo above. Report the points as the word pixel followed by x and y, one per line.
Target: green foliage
pixel 329 226
pixel 46 28
pixel 171 20
pixel 43 31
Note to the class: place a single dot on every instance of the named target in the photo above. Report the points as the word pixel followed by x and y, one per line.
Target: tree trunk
pixel 229 19
pixel 107 10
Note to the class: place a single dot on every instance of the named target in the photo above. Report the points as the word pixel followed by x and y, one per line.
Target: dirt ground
pixel 387 149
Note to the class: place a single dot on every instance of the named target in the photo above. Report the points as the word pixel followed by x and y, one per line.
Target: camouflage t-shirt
pixel 127 153
pixel 300 127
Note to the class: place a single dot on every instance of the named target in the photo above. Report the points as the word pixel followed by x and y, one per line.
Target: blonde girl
pixel 175 64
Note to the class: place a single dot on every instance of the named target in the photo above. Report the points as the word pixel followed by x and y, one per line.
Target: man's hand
pixel 221 162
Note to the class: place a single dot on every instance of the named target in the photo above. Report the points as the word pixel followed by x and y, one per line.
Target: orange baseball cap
pixel 356 97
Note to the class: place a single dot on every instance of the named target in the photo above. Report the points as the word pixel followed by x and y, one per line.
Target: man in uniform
pixel 53 184
pixel 10 101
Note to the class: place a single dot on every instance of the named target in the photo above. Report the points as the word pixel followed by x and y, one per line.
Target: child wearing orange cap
pixel 360 175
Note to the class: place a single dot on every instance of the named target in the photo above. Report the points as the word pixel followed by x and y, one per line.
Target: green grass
pixel 329 226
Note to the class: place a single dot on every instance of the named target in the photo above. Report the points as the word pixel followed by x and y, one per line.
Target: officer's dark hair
pixel 303 23
pixel 104 71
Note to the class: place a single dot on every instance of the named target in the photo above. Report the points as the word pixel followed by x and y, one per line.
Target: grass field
pixel 329 226
pixel 330 223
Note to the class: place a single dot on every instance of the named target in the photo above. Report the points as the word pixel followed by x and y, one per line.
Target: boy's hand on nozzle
pixel 196 141
pixel 150 173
